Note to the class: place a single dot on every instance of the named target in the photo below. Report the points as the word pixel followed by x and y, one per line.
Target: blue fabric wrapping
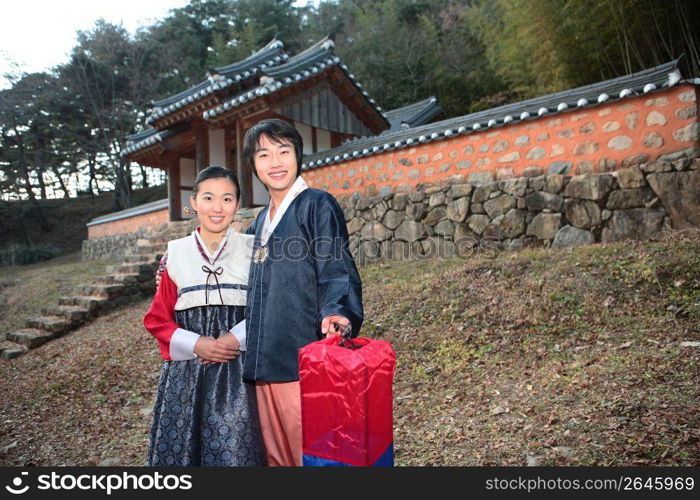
pixel 386 460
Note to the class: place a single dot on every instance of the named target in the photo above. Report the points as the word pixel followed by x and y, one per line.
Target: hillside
pixel 21 223
pixel 586 356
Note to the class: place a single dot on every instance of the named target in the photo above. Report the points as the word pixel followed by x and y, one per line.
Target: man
pixel 303 283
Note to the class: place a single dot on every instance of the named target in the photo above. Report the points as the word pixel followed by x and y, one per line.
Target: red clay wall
pixel 128 225
pixel 599 139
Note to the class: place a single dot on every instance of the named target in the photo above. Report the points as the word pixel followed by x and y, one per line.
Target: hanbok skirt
pixel 205 414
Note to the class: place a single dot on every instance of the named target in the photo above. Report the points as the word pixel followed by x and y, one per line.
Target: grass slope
pixel 567 357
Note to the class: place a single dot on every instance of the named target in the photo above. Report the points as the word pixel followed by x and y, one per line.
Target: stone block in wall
pixel 589 187
pixel 533 171
pixel 416 211
pixel 511 224
pixel 478 208
pixel 478 222
pixel 499 205
pixel 629 178
pixel 375 231
pixel 416 196
pixel 689 133
pixel 464 237
pixel 410 231
pixel 680 194
pixel 393 219
pixel 692 152
pixel 540 200
pixel 484 192
pixel 657 166
pixel 483 177
pixel 380 208
pixel 515 187
pixel 537 183
pixel 582 213
pixel 109 247
pixel 435 216
pixel 635 159
pixel 522 242
pixel 544 226
pixel 355 225
pixel 349 213
pixel 436 199
pixel 559 167
pixel 457 210
pixel 460 190
pixel 555 183
pixel 400 201
pixel 445 228
pixel 629 198
pixel 570 236
pixel 633 224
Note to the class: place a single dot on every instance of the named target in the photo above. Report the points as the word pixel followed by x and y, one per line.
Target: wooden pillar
pixel 173 163
pixel 201 135
pixel 244 174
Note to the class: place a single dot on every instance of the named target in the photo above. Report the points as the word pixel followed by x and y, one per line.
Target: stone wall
pixel 110 247
pixel 637 202
pixel 597 139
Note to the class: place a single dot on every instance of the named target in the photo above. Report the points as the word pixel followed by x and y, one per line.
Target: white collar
pixel 270 225
pixel 203 245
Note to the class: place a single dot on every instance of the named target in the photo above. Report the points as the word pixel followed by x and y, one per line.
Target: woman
pixel 204 414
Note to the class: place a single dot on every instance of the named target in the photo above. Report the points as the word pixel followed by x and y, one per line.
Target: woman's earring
pixel 189 211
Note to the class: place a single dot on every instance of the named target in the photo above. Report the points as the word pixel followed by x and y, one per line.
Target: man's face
pixel 276 164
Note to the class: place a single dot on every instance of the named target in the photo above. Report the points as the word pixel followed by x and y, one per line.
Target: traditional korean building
pixel 205 124
pixel 353 148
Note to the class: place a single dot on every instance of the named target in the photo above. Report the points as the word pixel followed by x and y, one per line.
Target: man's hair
pixel 278 131
pixel 215 172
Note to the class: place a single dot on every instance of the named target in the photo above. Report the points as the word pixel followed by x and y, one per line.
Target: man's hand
pixel 328 325
pixel 157 279
pixel 211 349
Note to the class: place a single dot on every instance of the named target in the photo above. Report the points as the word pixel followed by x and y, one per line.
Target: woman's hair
pixel 278 131
pixel 215 172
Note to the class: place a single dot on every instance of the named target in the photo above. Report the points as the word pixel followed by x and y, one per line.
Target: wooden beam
pixel 173 163
pixel 202 145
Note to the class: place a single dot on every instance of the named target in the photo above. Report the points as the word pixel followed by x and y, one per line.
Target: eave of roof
pixel 416 114
pixel 270 55
pixel 306 64
pixel 643 82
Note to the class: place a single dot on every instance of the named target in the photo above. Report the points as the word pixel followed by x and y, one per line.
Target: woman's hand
pixel 213 350
pixel 230 339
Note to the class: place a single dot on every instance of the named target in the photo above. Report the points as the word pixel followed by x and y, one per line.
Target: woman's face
pixel 216 204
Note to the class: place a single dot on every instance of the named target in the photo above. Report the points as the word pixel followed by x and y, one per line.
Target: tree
pixel 112 77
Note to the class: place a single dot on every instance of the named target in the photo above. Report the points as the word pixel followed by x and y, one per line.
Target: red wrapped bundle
pixel 346 402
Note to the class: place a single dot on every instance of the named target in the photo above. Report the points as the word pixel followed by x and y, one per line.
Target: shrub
pixel 22 255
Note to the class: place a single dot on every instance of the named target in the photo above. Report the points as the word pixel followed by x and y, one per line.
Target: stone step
pixel 102 291
pixel 123 279
pixel 152 249
pixel 90 303
pixel 142 258
pixel 30 337
pixel 52 324
pixel 133 268
pixel 10 350
pixel 76 314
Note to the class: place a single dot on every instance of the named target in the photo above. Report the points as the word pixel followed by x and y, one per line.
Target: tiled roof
pixel 270 55
pixel 310 62
pixel 413 115
pixel 148 137
pixel 643 82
